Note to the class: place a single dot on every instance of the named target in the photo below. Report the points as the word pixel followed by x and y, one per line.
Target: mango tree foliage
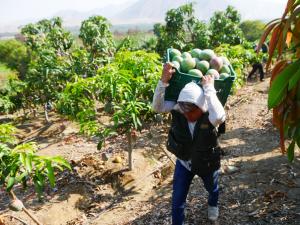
pixel 139 73
pixel 143 71
pixel 47 75
pixel 130 74
pixel 13 54
pixel 201 35
pixel 98 41
pixel 80 62
pixel 47 33
pixel 126 44
pixel 252 29
pixel 125 87
pixel 181 27
pixel 78 99
pixel 20 164
pixel 13 96
pixel 49 47
pixel 224 27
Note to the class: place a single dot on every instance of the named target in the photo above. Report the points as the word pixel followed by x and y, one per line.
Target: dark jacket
pixel 202 149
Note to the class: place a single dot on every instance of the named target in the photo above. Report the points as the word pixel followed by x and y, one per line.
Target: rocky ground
pixel 257 184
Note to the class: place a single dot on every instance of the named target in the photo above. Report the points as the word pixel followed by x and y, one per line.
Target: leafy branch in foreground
pixel 284 93
pixel 20 164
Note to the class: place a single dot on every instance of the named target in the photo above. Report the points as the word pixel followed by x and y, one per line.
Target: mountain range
pixel 152 11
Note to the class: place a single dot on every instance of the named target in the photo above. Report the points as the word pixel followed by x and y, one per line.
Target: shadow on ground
pixel 262 192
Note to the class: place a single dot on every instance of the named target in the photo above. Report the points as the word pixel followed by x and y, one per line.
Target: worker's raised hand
pixel 207 80
pixel 167 73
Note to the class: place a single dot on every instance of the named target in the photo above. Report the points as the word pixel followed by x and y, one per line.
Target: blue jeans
pixel 181 184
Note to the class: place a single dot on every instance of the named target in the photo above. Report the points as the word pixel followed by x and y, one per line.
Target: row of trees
pixel 73 79
pixel 184 31
pixel 59 73
pixel 49 58
pixel 56 72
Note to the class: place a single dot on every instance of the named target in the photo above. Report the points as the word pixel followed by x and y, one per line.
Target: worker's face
pixel 187 106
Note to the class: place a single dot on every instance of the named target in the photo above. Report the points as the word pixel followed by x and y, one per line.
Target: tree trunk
pixel 95 102
pixel 130 150
pixel 34 112
pixel 24 112
pixel 46 113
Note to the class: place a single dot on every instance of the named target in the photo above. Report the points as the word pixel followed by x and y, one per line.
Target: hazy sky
pixel 15 10
pixel 18 10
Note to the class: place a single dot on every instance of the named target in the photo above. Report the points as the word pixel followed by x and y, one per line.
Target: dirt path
pixel 265 189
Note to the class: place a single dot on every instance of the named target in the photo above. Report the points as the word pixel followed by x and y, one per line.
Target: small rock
pixel 293 174
pixel 105 156
pixel 16 205
pixel 101 167
pixel 118 159
pixel 254 213
pixel 297 182
pixel 294 193
pixel 159 118
pixel 230 169
pixel 76 169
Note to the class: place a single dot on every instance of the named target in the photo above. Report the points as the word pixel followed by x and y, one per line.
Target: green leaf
pixel 38 186
pixel 61 161
pixel 294 80
pixel 24 182
pixel 10 183
pixel 59 167
pixel 22 176
pixel 40 177
pixel 134 120
pixel 291 151
pixel 139 122
pixel 296 136
pixel 23 158
pixel 99 145
pixel 28 163
pixel 280 83
pixel 50 174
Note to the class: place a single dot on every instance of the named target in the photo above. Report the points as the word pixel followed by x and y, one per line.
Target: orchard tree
pixel 125 87
pixel 126 44
pixel 224 27
pixel 252 29
pixel 49 69
pixel 163 41
pixel 13 96
pixel 200 35
pixel 133 87
pixel 13 54
pixel 98 40
pixel 150 44
pixel 80 64
pixel 47 33
pixel 181 27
